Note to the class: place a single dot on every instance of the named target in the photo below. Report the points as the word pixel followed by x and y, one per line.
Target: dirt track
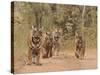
pixel 61 63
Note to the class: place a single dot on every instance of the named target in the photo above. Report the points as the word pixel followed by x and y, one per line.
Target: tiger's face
pixel 36 37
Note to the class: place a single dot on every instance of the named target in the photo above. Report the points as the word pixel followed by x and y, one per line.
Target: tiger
pixel 80 48
pixel 56 43
pixel 34 44
pixel 48 45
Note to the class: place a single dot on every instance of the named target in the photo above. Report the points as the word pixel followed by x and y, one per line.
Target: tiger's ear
pixel 41 28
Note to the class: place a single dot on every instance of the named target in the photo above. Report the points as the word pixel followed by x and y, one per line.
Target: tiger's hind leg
pixel 38 59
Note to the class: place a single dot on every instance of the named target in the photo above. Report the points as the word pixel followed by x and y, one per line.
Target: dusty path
pixel 61 63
